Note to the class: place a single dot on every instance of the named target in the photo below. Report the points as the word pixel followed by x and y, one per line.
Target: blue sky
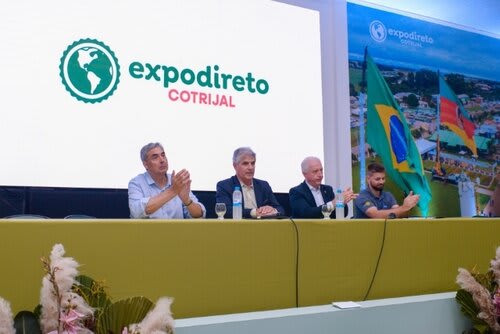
pixel 478 14
pixel 452 49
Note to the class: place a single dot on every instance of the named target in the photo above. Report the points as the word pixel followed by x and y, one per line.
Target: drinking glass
pixel 326 211
pixel 220 210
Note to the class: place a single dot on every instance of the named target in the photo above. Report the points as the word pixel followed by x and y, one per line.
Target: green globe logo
pixel 89 70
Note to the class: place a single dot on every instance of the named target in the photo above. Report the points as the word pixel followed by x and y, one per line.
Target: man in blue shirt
pixel 156 194
pixel 373 202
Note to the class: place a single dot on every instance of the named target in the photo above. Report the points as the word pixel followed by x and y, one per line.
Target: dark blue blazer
pixel 263 195
pixel 303 204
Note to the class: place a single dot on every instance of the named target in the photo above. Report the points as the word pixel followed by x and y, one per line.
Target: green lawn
pixel 355 76
pixel 354 137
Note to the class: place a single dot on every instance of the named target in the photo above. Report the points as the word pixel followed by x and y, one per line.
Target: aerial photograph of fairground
pixel 425 63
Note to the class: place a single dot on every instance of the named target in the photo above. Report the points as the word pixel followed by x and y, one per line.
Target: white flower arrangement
pixel 479 297
pixel 73 304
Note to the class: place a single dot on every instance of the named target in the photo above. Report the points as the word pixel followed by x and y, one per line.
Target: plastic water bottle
pixel 237 209
pixel 339 205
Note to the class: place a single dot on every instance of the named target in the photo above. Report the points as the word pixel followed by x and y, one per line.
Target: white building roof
pixel 424 145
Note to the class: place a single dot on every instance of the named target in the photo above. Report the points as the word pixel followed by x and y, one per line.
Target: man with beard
pixel 374 202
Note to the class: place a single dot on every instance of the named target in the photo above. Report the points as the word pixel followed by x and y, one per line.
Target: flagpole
pixel 438 109
pixel 362 157
pixel 437 165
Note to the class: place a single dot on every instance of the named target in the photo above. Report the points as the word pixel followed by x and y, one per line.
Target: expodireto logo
pixel 378 31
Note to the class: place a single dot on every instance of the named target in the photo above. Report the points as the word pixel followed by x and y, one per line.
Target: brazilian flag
pixel 389 135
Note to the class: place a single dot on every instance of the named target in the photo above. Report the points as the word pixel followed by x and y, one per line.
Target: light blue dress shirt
pixel 142 187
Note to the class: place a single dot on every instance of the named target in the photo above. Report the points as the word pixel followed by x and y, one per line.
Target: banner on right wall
pixel 455 125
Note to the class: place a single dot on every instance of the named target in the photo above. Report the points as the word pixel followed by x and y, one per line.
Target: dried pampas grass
pixel 481 297
pixel 56 295
pixel 6 320
pixel 158 321
pixel 495 267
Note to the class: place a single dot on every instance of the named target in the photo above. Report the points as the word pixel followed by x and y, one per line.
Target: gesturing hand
pixel 411 200
pixel 184 193
pixel 180 180
pixel 348 195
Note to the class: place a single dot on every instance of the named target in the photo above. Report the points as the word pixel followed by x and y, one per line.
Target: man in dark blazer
pixel 307 198
pixel 258 198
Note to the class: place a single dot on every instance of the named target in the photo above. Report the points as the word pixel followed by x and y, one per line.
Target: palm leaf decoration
pixel 470 310
pixel 469 307
pixel 26 322
pixel 123 313
pixel 92 291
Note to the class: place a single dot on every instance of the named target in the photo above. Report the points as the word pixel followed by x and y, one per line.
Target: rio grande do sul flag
pixel 389 135
pixel 454 116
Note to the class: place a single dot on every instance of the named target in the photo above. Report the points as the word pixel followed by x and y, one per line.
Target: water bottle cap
pixel 339 190
pixel 236 188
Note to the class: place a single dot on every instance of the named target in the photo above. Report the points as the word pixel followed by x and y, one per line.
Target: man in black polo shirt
pixel 373 202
